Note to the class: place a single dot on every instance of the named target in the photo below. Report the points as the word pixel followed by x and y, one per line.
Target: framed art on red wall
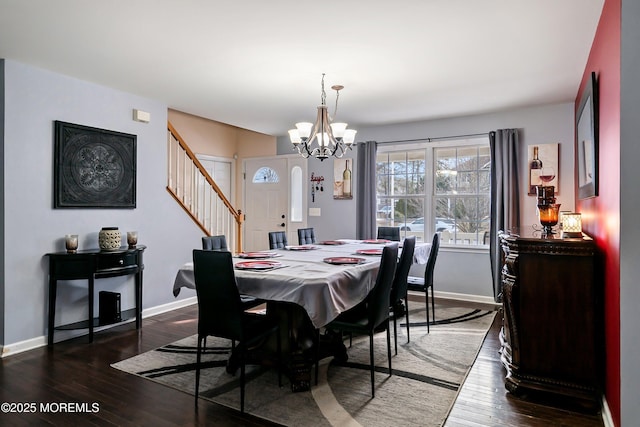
pixel 587 140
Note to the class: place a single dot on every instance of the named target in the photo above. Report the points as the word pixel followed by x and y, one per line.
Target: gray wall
pixel 458 271
pixel 33 99
pixel 629 205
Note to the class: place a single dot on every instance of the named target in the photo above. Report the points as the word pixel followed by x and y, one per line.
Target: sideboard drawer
pixel 71 267
pixel 106 262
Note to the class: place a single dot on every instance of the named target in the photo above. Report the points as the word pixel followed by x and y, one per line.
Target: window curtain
pixel 505 196
pixel 366 195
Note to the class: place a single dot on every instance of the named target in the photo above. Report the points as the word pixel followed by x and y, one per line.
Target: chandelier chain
pixel 323 98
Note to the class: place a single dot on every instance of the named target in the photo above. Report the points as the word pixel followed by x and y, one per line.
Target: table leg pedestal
pixel 298 340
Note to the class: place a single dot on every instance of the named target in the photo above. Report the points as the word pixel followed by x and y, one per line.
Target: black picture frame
pixel 587 140
pixel 93 168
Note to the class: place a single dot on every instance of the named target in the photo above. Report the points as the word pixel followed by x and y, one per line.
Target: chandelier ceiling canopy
pixel 331 138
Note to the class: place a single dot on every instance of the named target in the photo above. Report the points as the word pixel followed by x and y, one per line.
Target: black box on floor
pixel 109 307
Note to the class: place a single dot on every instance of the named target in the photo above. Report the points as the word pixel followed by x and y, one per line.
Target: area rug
pixel 427 374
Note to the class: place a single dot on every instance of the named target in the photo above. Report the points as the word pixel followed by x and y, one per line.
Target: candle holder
pixel 548 209
pixel 548 217
pixel 109 238
pixel 71 243
pixel 132 239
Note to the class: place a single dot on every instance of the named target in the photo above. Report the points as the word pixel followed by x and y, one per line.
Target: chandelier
pixel 331 139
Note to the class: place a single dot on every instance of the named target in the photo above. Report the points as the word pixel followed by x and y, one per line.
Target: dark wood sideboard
pixel 552 336
pixel 90 265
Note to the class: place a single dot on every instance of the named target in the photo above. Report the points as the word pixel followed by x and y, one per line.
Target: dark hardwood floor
pixel 483 400
pixel 78 372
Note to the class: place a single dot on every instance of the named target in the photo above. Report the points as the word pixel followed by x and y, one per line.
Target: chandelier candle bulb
pixel 304 129
pixel 338 129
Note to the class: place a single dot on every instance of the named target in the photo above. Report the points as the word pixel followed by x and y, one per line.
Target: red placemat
pixel 257 255
pixel 301 248
pixel 340 260
pixel 257 265
pixel 369 251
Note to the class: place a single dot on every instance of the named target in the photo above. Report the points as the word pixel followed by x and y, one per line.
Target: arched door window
pixel 265 175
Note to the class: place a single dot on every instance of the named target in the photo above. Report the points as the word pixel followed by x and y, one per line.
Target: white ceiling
pixel 257 64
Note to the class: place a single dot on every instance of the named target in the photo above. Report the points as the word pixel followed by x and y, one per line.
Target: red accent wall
pixel 601 214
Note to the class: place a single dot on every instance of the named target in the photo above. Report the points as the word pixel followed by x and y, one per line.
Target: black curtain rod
pixel 439 138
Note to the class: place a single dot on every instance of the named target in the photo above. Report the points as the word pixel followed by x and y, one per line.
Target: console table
pixel 90 265
pixel 552 335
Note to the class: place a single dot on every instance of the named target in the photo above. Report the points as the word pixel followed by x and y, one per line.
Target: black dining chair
pixel 221 314
pixel 277 239
pixel 389 233
pixel 424 284
pixel 215 243
pixel 372 315
pixel 219 243
pixel 306 236
pixel 399 287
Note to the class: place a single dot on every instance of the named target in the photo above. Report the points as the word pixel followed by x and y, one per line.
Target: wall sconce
pixel 571 224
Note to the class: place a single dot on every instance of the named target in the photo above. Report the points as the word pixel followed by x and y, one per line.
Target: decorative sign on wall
pixel 93 168
pixel 317 184
pixel 342 184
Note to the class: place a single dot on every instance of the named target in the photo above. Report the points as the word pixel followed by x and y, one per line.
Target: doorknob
pixel 282 225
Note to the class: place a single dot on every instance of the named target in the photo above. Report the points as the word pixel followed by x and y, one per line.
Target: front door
pixel 266 201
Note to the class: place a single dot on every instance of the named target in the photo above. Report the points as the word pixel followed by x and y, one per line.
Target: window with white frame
pixel 441 186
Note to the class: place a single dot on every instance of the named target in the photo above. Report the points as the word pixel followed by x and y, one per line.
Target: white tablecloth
pixel 324 290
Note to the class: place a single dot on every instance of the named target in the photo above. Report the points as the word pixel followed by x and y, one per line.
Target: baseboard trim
pixel 480 299
pixel 164 308
pixel 607 420
pixel 22 346
pixel 41 341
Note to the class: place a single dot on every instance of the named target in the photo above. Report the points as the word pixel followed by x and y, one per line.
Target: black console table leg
pixel 53 290
pixel 91 283
pixel 138 280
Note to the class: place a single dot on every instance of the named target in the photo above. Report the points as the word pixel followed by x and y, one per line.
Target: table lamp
pixel 571 224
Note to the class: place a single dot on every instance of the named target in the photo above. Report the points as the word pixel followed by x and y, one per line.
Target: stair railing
pixel 198 194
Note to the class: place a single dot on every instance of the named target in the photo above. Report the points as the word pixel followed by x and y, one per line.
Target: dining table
pixel 307 286
pixel 326 278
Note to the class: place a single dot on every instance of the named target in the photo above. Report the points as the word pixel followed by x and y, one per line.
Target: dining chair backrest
pixel 214 243
pixel 389 233
pixel 306 236
pixel 219 305
pixel 379 297
pixel 399 287
pixel 277 239
pixel 431 262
